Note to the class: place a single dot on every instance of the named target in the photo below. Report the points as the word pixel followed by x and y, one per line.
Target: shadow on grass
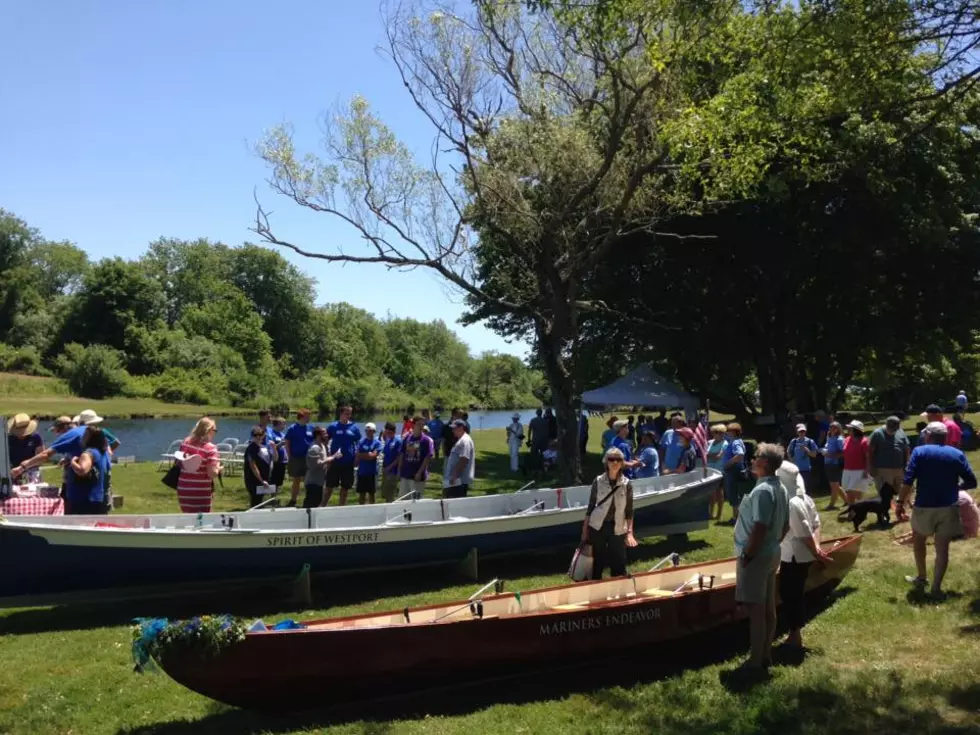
pixel 607 685
pixel 264 598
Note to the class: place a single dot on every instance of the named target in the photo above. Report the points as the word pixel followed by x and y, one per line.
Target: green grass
pixel 881 663
pixel 50 397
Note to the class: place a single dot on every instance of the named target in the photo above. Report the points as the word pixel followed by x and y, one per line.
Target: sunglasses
pixel 614 460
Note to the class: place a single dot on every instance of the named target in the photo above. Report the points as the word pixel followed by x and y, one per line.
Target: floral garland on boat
pixel 207 635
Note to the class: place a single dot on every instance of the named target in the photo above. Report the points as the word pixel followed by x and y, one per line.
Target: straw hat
pixel 21 425
pixel 87 418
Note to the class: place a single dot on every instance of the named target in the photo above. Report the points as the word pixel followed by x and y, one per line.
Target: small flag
pixel 701 437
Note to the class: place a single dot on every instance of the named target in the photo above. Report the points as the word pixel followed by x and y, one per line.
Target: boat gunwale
pixel 5 521
pixel 837 543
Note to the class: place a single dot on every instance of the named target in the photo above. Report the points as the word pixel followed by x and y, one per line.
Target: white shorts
pixel 854 481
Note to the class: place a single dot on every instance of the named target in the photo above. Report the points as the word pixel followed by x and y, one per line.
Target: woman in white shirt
pixel 798 550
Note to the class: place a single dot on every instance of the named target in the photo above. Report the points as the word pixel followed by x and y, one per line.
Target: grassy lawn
pixel 882 662
pixel 50 397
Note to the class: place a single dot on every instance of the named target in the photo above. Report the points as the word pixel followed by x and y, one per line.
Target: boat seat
pixel 657 593
pixel 730 575
pixel 570 606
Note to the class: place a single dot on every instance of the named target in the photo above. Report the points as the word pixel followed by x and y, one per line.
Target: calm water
pixel 147 439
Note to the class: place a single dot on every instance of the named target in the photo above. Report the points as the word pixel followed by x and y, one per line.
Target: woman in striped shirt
pixel 196 484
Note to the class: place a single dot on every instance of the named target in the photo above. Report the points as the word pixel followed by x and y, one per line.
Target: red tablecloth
pixel 32 505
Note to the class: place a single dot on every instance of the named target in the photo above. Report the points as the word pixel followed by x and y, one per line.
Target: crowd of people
pixel 338 457
pixel 86 447
pixel 777 526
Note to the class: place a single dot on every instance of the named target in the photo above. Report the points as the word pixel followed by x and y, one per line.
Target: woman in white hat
pixel 23 442
pixel 515 437
pixel 854 479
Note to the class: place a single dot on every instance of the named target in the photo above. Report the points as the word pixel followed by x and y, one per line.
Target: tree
pixel 555 161
pixel 115 295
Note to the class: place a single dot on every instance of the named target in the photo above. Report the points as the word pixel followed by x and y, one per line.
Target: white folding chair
pixel 167 458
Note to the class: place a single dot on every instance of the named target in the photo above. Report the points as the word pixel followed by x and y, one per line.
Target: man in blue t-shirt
pixel 938 472
pixel 298 440
pixel 436 432
pixel 962 402
pixel 344 436
pixel 622 443
pixel 670 443
pixel 368 450
pixel 390 452
pixel 649 459
pixel 801 452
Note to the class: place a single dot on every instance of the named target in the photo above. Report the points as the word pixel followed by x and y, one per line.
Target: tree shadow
pixel 602 683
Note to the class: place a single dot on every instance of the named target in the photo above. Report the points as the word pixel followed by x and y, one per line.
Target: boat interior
pixel 572 597
pixel 370 516
pixel 661 584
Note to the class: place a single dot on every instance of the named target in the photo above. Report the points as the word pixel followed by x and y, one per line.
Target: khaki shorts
pixel 943 522
pixel 755 582
pixel 894 477
pixel 408 485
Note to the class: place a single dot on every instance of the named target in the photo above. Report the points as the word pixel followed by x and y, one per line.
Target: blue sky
pixel 127 121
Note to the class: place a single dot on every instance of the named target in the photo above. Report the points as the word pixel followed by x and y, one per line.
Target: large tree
pixel 547 156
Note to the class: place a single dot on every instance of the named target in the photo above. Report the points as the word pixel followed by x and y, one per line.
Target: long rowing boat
pixel 64 554
pixel 348 659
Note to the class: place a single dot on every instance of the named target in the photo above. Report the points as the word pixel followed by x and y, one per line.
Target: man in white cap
pixel 368 450
pixel 938 472
pixel 515 437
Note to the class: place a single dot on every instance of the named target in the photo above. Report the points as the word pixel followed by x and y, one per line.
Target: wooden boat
pixel 69 554
pixel 341 660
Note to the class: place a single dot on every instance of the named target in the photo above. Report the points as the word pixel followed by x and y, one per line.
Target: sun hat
pixel 801 427
pixel 370 427
pixel 87 418
pixel 21 425
pixel 855 424
pixel 60 422
pixel 936 427
pixel 619 425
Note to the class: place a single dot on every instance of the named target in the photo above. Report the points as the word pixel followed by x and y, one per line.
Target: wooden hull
pixel 57 558
pixel 345 662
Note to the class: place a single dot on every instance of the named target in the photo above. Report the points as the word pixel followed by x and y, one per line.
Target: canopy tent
pixel 642 386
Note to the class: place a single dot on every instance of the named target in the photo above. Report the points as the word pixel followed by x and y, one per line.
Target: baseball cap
pixel 60 423
pixel 801 427
pixel 936 427
pixel 370 427
pixel 458 424
pixel 620 424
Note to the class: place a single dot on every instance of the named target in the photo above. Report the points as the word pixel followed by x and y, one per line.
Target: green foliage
pixel 204 636
pixel 177 385
pixel 93 371
pixel 21 360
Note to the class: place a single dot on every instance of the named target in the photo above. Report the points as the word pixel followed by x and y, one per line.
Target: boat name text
pixel 611 620
pixel 325 539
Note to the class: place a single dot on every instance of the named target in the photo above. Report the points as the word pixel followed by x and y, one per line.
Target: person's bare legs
pixel 942 561
pixel 835 493
pixel 343 496
pixel 758 629
pixel 294 495
pixel 327 492
pixel 919 550
pixel 361 498
pixel 770 611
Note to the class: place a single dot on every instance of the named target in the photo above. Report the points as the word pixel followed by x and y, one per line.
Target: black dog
pixel 857 513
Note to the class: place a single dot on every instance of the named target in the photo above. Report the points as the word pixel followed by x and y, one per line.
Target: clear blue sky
pixel 125 121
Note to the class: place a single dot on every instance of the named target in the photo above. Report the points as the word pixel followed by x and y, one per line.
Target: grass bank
pixel 50 397
pixel 882 662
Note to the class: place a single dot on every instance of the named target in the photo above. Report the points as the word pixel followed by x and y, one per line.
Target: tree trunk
pixel 551 347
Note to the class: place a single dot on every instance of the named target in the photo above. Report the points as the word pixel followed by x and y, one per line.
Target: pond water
pixel 147 439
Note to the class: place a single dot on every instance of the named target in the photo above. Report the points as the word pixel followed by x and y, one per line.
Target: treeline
pixel 205 323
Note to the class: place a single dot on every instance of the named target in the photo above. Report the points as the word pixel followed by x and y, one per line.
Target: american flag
pixel 701 437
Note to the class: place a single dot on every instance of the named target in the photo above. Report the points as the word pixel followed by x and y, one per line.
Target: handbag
pixel 172 477
pixel 581 566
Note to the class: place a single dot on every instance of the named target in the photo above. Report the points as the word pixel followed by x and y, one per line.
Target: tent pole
pixel 707 420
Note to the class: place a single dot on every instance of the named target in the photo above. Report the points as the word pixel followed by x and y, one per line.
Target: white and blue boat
pixel 51 555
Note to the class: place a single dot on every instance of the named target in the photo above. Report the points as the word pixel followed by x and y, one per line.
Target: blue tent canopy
pixel 642 386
